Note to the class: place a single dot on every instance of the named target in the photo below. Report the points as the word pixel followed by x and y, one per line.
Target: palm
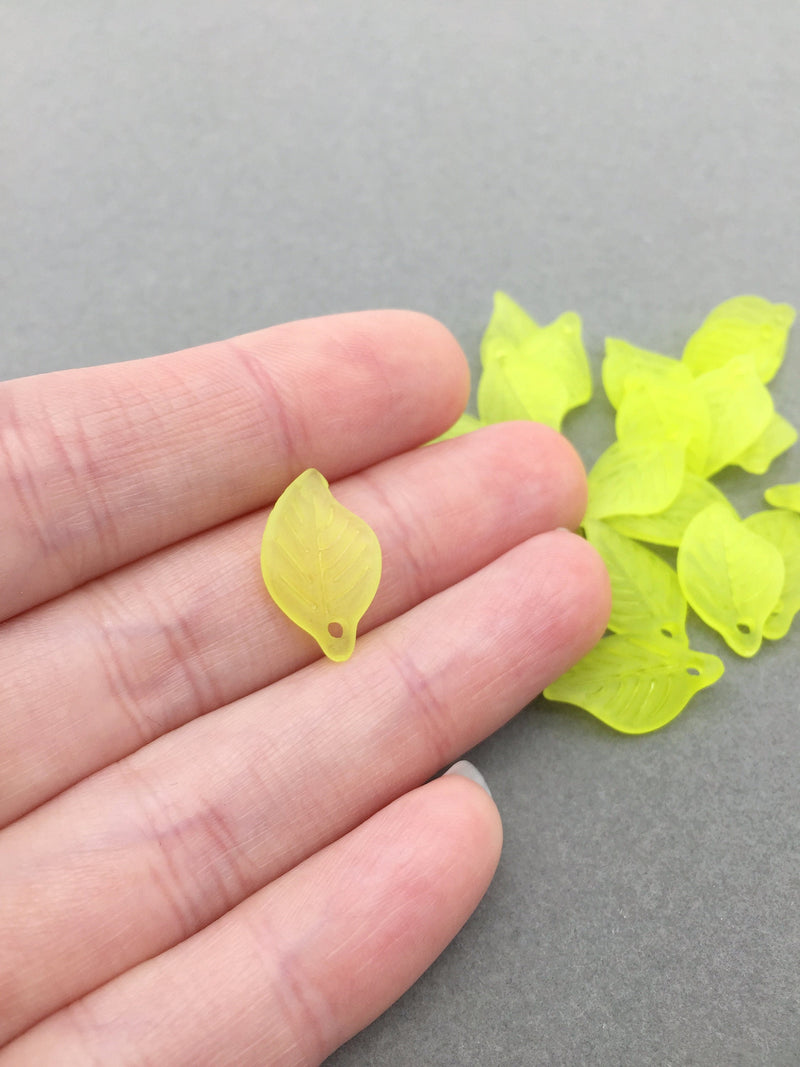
pixel 217 832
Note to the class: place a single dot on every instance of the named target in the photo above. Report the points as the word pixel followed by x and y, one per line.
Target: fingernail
pixel 468 770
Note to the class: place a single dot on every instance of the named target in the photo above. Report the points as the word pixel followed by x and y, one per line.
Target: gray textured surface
pixel 174 173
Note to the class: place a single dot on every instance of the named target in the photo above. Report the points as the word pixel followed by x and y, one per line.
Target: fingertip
pixel 440 339
pixel 575 486
pixel 581 584
pixel 434 341
pixel 414 345
pixel 469 810
pixel 414 377
pixel 567 484
pixel 534 459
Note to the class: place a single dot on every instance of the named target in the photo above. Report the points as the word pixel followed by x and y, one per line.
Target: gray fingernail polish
pixel 468 770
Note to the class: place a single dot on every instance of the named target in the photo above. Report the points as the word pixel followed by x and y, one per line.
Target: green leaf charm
pixel 513 387
pixel 320 563
pixel 530 371
pixel 744 325
pixel 731 576
pixel 560 346
pixel 625 363
pixel 740 408
pixel 784 496
pixel 666 411
pixel 775 439
pixel 510 329
pixel 668 527
pixel 636 686
pixel 635 479
pixel 781 529
pixel 646 598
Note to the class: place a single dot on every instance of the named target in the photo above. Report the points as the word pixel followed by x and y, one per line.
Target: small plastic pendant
pixel 321 563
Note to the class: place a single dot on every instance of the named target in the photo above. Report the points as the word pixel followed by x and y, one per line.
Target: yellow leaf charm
pixel 741 409
pixel 510 329
pixel 667 527
pixel 666 411
pixel 745 325
pixel 731 576
pixel 784 496
pixel 625 364
pixel 777 436
pixel 531 371
pixel 321 563
pixel 639 479
pixel 782 529
pixel 636 685
pixel 646 599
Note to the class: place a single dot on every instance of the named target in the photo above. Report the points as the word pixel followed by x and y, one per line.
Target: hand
pixel 218 847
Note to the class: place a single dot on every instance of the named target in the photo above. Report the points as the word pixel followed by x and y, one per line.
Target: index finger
pixel 102 465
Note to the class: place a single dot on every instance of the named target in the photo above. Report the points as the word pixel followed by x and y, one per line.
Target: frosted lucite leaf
pixel 625 363
pixel 755 310
pixel 636 686
pixel 320 563
pixel 516 388
pixel 510 329
pixel 530 371
pixel 668 527
pixel 740 408
pixel 635 479
pixel 465 424
pixel 731 576
pixel 646 598
pixel 666 411
pixel 775 439
pixel 781 529
pixel 542 382
pixel 559 347
pixel 784 496
pixel 744 325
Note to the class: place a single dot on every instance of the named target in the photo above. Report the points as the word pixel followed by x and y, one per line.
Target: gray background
pixel 174 173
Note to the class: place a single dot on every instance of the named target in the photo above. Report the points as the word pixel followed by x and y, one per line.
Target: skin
pixel 218 847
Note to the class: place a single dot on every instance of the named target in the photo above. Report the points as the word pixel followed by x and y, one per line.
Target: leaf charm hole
pixel 335 629
pixel 692 670
pixel 743 628
pixel 666 632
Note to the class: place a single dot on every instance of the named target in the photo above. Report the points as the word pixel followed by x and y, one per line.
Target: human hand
pixel 219 848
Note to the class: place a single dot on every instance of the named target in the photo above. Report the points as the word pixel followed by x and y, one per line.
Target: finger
pixel 94 675
pixel 300 967
pixel 101 465
pixel 162 843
